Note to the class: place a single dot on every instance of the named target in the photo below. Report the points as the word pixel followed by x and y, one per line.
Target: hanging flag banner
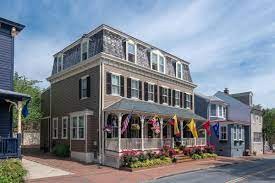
pixel 125 123
pixel 216 129
pixel 193 128
pixel 25 111
pixel 206 126
pixel 176 126
pixel 155 123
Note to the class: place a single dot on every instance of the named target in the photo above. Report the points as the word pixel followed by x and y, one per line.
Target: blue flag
pixel 216 129
pixel 25 111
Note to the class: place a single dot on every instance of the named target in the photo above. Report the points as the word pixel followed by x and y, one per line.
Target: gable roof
pixel 210 98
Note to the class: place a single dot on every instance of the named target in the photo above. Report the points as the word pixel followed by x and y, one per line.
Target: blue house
pixel 222 112
pixel 9 146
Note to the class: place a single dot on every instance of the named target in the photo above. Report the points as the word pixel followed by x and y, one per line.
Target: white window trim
pixel 241 132
pixel 57 63
pixel 226 132
pixel 223 116
pixel 181 69
pixel 132 79
pixel 81 49
pixel 55 119
pixel 235 131
pixel 165 103
pixel 71 127
pixel 179 98
pixel 190 100
pixel 62 133
pixel 135 45
pixel 119 88
pixel 153 92
pixel 159 54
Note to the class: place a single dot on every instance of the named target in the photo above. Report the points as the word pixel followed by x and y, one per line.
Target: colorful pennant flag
pixel 206 126
pixel 25 111
pixel 176 126
pixel 125 123
pixel 216 129
pixel 193 129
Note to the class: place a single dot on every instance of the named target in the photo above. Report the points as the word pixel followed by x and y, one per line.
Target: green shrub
pixel 61 150
pixel 12 171
pixel 196 156
pixel 150 163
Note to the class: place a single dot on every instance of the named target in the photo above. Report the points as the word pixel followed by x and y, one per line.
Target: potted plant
pixel 135 127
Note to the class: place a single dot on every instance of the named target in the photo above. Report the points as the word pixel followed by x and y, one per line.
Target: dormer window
pixel 59 63
pixel 131 51
pixel 218 111
pixel 84 50
pixel 157 61
pixel 179 70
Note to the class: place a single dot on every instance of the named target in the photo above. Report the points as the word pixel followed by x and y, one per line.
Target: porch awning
pixel 152 108
pixel 7 94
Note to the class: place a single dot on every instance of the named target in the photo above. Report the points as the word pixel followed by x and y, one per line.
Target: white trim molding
pixel 62 127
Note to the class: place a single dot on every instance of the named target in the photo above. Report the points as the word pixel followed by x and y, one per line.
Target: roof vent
pixel 226 91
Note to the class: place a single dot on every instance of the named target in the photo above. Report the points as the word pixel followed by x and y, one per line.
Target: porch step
pixel 182 158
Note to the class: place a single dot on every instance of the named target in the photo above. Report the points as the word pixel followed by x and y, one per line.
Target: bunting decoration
pixel 25 111
pixel 193 129
pixel 156 126
pixel 206 126
pixel 108 129
pixel 125 123
pixel 216 129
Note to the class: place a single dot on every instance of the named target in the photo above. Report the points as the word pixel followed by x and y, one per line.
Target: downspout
pixel 100 114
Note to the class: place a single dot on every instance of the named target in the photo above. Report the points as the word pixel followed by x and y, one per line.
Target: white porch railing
pixel 190 142
pixel 152 143
pixel 111 144
pixel 130 143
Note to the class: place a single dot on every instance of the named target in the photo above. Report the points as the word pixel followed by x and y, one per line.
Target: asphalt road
pixel 252 171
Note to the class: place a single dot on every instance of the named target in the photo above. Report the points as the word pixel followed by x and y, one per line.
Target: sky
pixel 228 43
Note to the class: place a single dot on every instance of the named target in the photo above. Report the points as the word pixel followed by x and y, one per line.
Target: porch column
pixel 119 131
pixel 205 137
pixel 161 132
pixel 181 131
pixel 142 126
pixel 19 128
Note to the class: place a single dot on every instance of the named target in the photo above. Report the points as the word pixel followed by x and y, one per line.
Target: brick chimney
pixel 226 91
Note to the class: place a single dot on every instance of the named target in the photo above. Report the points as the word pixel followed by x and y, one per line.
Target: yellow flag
pixel 176 126
pixel 193 129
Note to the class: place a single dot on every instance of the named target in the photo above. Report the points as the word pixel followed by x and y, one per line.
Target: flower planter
pixel 143 168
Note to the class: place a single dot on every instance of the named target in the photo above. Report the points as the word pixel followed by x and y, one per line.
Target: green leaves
pixel 269 124
pixel 26 86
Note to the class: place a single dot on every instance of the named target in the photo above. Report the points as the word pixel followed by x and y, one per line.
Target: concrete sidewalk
pixel 92 173
pixel 38 171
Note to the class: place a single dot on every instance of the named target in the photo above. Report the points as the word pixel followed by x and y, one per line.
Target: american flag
pixel 125 123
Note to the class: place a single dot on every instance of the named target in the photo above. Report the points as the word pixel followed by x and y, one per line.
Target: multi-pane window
pixel 59 63
pixel 84 50
pixel 64 127
pixel 257 137
pixel 241 133
pixel 165 95
pixel 223 133
pixel 84 87
pixel 150 92
pixel 135 88
pixel 188 101
pixel 131 55
pixel 179 70
pixel 55 128
pixel 224 111
pixel 78 127
pixel 115 84
pixel 213 109
pixel 154 61
pixel 220 110
pixel 235 133
pixel 161 64
pixel 177 98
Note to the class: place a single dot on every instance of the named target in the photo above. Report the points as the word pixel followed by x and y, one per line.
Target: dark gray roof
pixel 241 94
pixel 209 98
pixel 152 108
pixel 18 26
pixel 8 93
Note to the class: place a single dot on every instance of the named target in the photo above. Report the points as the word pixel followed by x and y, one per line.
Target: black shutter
pixel 108 83
pixel 145 91
pixel 191 103
pixel 181 99
pixel 129 88
pixel 156 93
pixel 122 86
pixel 160 95
pixel 173 97
pixel 140 90
pixel 88 86
pixel 184 100
pixel 79 88
pixel 169 97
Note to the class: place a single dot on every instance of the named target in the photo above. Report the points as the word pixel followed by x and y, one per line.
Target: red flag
pixel 206 126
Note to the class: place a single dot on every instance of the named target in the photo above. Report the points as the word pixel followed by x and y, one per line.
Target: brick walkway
pixel 91 173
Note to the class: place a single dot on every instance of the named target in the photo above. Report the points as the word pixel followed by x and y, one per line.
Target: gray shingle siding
pixel 115 44
pixel 201 106
pixel 6 61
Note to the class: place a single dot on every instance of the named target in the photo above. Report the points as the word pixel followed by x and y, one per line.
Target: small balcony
pixel 9 147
